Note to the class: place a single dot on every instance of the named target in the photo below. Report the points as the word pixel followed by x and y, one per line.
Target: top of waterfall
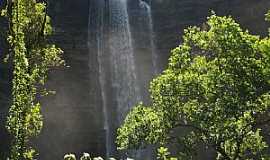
pixel 144 5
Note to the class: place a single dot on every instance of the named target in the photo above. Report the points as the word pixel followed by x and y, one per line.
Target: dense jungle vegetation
pixel 216 87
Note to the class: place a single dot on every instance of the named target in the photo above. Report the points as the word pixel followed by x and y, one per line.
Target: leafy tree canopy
pixel 215 90
pixel 32 56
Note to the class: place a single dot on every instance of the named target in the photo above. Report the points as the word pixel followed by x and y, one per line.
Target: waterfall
pixel 148 14
pixel 96 31
pixel 110 40
pixel 102 76
pixel 116 64
pixel 124 80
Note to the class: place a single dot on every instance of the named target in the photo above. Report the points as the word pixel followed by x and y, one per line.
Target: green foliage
pixel 163 154
pixel 32 56
pixel 69 157
pixel 85 156
pixel 267 16
pixel 144 123
pixel 215 91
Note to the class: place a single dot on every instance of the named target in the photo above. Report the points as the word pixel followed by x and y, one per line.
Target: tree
pixel 215 91
pixel 32 56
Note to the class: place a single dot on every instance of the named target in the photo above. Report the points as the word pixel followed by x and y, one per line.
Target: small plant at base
pixel 69 157
pixel 86 156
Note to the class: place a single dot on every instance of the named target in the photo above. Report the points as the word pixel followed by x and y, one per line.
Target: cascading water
pixel 112 43
pixel 146 8
pixel 96 43
pixel 102 70
pixel 123 70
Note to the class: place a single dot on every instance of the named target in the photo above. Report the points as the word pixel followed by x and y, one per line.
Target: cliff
pixel 73 118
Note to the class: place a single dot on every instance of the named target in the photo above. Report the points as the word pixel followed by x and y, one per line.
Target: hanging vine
pixel 32 56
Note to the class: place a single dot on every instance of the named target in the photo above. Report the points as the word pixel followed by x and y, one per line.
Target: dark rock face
pixel 171 17
pixel 5 91
pixel 73 118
